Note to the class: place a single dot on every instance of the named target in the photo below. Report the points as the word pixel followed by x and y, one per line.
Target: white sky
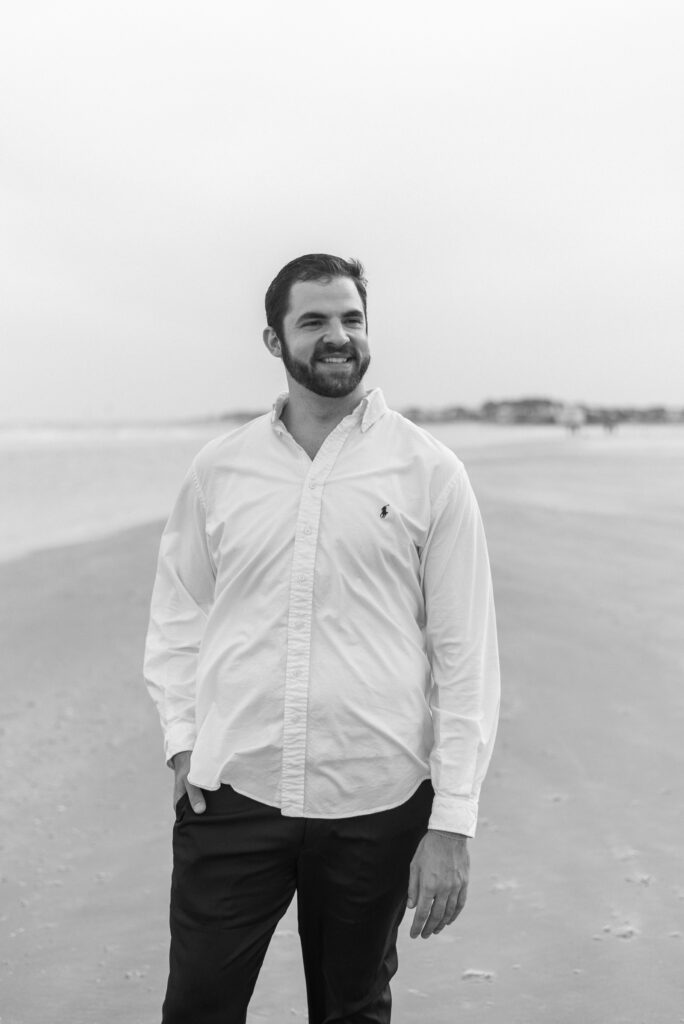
pixel 511 174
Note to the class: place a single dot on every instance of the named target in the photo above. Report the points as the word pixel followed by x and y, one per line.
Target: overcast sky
pixel 510 173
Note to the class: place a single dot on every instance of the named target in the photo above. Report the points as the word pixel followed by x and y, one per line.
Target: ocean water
pixel 64 486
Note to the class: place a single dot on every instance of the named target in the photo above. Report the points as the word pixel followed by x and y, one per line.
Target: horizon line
pixel 247 414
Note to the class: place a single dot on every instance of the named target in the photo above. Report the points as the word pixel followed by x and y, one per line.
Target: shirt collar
pixel 369 410
pixel 278 406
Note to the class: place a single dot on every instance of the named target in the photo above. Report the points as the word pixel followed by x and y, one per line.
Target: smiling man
pixel 322 651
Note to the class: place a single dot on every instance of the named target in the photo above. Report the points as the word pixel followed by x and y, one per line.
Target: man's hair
pixel 317 266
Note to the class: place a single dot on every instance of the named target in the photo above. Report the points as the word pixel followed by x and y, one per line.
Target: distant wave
pixel 79 435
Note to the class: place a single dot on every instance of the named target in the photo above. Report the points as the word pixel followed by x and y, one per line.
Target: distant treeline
pixel 523 410
pixel 546 410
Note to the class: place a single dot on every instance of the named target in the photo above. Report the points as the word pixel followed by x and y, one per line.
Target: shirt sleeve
pixel 181 599
pixel 463 651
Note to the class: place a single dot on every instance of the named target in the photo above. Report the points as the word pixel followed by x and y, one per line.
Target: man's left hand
pixel 438 882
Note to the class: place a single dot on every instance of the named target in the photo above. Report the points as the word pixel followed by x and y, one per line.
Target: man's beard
pixel 314 377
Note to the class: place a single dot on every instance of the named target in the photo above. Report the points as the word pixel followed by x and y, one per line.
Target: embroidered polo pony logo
pixel 384 511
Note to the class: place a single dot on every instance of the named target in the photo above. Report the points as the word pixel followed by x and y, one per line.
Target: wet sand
pixel 576 905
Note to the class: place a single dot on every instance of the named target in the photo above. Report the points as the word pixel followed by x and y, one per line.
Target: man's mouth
pixel 336 360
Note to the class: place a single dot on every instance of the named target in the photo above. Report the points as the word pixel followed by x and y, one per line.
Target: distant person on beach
pixel 322 652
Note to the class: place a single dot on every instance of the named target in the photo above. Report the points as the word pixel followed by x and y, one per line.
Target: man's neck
pixel 310 417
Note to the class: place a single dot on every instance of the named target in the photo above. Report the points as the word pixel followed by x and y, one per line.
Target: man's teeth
pixel 336 359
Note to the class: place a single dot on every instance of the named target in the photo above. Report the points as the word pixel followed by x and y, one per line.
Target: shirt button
pixel 312 484
pixel 307 530
pixel 301 578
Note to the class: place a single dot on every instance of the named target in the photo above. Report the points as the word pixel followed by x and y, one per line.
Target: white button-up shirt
pixel 322 632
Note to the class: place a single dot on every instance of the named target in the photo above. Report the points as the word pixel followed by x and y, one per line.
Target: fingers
pixel 412 888
pixel 460 903
pixel 449 913
pixel 181 766
pixel 178 791
pixel 455 905
pixel 435 917
pixel 453 908
pixel 434 914
pixel 196 797
pixel 421 915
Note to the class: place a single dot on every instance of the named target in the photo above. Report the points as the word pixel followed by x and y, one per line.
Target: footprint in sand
pixel 639 879
pixel 620 931
pixel 626 931
pixel 505 885
pixel 475 975
pixel 623 853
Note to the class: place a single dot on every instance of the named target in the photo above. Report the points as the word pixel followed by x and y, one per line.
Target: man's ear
pixel 272 342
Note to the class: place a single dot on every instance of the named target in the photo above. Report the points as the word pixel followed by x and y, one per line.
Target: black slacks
pixel 236 868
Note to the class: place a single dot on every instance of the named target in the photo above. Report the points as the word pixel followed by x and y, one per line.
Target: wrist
pixel 449 835
pixel 178 758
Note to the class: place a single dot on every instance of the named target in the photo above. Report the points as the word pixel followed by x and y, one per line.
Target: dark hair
pixel 315 266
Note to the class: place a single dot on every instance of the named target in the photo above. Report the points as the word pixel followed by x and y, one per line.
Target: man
pixel 322 651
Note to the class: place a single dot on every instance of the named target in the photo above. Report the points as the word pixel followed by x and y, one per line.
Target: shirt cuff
pixel 179 737
pixel 455 814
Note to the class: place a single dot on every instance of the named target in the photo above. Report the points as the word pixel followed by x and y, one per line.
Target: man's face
pixel 325 345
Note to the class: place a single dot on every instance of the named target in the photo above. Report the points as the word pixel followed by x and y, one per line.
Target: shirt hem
pixel 322 817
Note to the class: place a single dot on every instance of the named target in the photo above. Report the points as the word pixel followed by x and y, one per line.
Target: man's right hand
pixel 181 767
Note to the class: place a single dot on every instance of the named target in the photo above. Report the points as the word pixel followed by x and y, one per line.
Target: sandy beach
pixel 576 905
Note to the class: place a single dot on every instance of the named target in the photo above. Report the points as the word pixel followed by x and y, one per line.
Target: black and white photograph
pixel 342 512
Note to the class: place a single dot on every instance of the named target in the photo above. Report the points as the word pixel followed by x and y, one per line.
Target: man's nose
pixel 336 333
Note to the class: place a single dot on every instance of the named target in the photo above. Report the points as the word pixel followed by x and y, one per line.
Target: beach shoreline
pixel 577 896
pixel 98 481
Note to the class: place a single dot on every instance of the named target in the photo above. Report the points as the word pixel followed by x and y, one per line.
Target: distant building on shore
pixel 522 410
pixel 446 414
pixel 572 416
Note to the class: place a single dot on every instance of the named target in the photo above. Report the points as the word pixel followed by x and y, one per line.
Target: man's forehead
pixel 323 295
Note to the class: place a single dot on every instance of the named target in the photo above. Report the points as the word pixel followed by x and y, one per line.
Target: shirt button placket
pixel 298 651
pixel 299 629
